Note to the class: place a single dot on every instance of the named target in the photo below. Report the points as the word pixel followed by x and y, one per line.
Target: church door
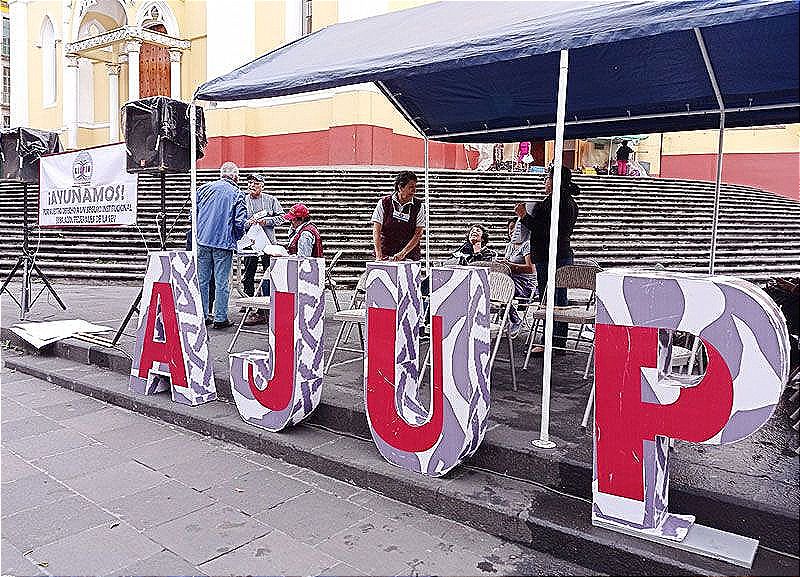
pixel 154 68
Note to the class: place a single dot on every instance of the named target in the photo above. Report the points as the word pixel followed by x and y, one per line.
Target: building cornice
pixel 126 34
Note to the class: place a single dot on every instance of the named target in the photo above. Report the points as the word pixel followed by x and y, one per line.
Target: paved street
pixel 90 488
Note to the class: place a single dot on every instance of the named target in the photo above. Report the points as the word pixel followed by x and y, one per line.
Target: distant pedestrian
pixel 221 215
pixel 623 156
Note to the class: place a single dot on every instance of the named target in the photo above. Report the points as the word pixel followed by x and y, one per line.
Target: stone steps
pixel 622 221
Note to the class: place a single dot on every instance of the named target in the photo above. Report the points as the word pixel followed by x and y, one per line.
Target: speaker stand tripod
pixel 162 242
pixel 27 262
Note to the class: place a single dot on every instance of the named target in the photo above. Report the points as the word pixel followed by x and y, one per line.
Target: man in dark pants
pixel 263 210
pixel 539 224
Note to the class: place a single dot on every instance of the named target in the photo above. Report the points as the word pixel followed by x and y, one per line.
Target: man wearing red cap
pixel 304 238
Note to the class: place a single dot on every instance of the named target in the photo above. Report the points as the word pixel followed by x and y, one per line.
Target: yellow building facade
pixel 74 63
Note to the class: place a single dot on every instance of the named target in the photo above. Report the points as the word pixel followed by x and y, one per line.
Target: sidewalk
pixel 92 489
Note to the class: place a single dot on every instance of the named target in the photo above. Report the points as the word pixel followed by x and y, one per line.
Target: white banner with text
pixel 87 188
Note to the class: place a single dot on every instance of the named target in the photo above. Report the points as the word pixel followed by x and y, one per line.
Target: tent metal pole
pixel 427 213
pixel 544 441
pixel 610 149
pixel 717 183
pixel 713 79
pixel 193 172
pixel 713 111
pixel 387 93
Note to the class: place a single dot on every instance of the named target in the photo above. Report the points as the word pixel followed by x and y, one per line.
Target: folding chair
pixel 251 304
pixel 501 298
pixel 330 282
pixel 573 276
pixel 354 315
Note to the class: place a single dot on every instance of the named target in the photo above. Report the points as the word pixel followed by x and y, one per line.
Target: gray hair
pixel 230 170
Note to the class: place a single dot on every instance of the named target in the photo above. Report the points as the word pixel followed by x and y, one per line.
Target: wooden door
pixel 154 68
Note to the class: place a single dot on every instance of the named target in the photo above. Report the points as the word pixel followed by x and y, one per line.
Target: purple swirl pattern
pixel 735 317
pixel 179 270
pixel 305 278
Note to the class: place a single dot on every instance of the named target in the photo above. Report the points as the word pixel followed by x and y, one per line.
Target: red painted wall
pixel 357 144
pixel 777 172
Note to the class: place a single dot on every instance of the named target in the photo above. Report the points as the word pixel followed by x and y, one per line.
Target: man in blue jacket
pixel 221 215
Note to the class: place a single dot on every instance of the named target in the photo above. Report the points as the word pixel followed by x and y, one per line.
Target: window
pixel 6 122
pixel 307 19
pixel 6 85
pixel 6 36
pixel 49 66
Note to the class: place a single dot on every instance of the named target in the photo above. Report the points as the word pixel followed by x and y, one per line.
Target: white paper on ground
pixel 45 333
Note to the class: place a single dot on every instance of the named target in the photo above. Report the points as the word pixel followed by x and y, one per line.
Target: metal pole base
pixel 542 444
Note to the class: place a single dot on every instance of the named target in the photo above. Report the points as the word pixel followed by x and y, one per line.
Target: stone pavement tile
pixel 141 432
pixel 13 562
pixel 96 551
pixel 208 533
pixel 270 462
pixel 176 449
pixel 209 469
pixel 115 482
pixel 35 527
pixel 31 491
pixel 50 443
pixel 380 546
pixel 512 559
pixel 313 517
pixel 72 408
pixel 14 468
pixel 341 570
pixel 26 427
pixel 12 410
pixel 80 461
pixel 327 484
pixel 161 564
pixel 48 397
pixel 273 554
pixel 16 383
pixel 106 420
pixel 158 504
pixel 258 490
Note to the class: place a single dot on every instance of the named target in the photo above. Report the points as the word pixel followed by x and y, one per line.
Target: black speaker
pixel 20 149
pixel 157 134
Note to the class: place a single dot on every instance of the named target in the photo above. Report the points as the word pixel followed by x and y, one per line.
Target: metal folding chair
pixel 501 297
pixel 251 304
pixel 330 282
pixel 354 315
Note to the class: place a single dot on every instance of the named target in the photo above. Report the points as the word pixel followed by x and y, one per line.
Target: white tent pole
pixel 193 173
pixel 610 149
pixel 713 78
pixel 715 218
pixel 544 441
pixel 427 213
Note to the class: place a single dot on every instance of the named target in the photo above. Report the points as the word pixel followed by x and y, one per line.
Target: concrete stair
pixel 623 221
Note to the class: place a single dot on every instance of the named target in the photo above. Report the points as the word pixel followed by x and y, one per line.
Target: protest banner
pixel 87 188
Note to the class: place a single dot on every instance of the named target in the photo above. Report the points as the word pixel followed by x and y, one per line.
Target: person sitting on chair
pixel 474 247
pixel 518 258
pixel 304 238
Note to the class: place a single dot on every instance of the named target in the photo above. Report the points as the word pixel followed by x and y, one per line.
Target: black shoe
pixel 209 320
pixel 222 324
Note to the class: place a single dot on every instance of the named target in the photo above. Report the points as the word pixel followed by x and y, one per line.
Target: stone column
pixel 69 100
pixel 132 48
pixel 18 13
pixel 113 102
pixel 175 74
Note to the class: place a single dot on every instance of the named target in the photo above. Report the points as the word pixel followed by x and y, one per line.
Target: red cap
pixel 297 211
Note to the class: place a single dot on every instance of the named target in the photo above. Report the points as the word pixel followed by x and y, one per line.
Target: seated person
pixel 474 248
pixel 518 258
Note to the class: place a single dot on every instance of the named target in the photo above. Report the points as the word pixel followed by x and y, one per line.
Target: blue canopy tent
pixel 498 71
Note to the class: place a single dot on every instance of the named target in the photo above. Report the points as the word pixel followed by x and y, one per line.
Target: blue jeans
pixel 218 261
pixel 559 329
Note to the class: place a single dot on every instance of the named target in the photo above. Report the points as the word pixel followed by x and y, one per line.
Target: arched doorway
pixel 154 67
